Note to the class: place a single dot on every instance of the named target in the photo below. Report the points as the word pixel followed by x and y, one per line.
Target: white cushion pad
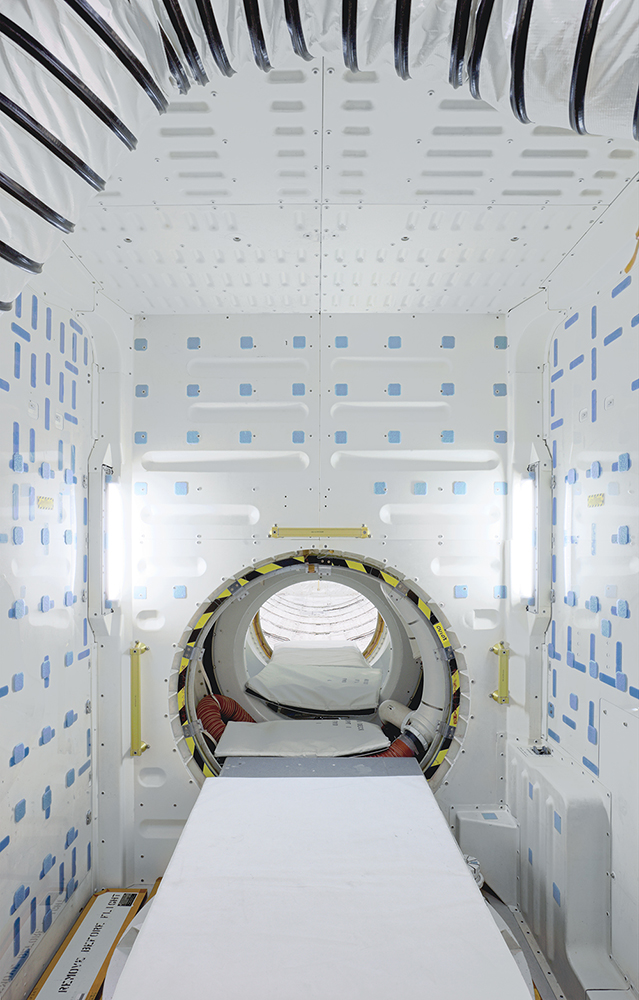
pixel 305 738
pixel 319 677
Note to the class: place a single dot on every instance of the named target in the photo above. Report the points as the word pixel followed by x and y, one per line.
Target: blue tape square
pixel 394 389
pixel 141 390
pixel 298 437
pixel 192 437
pixel 193 389
pixel 341 342
pixel 140 489
pixel 501 489
pixel 341 437
pixel 447 389
pixel 140 437
pixel 380 488
pixel 501 343
pixel 460 591
pixel 448 437
pixel 246 343
pixel 299 389
pixel 394 343
pixel 394 437
pixel 299 343
pixel 500 591
pixel 459 488
pixel 500 389
pixel 139 593
pixel 246 437
pixel 181 489
pixel 420 489
pixel 500 437
pixel 140 344
pixel 246 389
pixel 448 343
pixel 341 389
pixel 557 822
pixel 179 592
pixel 192 343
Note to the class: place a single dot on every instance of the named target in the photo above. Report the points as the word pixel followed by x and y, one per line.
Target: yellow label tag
pixel 596 499
pixel 45 503
pixel 441 632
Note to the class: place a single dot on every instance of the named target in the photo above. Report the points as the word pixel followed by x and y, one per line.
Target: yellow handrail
pixel 137 745
pixel 503 652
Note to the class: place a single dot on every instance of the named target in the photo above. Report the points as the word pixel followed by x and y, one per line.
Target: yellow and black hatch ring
pixel 447 729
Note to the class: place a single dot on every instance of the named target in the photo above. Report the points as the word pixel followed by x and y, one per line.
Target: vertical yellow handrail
pixel 503 652
pixel 137 745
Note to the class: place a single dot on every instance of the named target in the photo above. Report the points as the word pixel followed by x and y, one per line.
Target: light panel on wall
pixel 524 540
pixel 113 543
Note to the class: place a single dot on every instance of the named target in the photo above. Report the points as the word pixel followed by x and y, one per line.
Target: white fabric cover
pixel 319 677
pixel 300 738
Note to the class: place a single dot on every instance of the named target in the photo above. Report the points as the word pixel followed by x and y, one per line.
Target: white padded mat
pixel 300 738
pixel 320 677
pixel 347 888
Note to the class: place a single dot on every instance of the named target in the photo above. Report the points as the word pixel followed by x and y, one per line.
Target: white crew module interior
pixel 319 370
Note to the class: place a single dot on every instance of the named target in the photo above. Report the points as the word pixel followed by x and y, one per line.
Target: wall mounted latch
pixel 503 652
pixel 137 745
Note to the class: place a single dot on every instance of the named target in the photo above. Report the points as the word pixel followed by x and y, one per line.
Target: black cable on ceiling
pixel 402 32
pixel 458 43
pixel 635 119
pixel 518 60
pixel 176 69
pixel 121 51
pixel 254 24
pixel 349 34
pixel 62 73
pixel 50 142
pixel 186 40
pixel 19 259
pixel 213 37
pixel 581 65
pixel 30 201
pixel 482 20
pixel 294 25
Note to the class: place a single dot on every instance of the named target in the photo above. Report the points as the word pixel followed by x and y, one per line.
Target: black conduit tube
pixel 62 73
pixel 213 37
pixel 254 24
pixel 458 43
pixel 176 69
pixel 189 48
pixel 121 51
pixel 402 32
pixel 50 142
pixel 581 65
pixel 349 34
pixel 19 259
pixel 482 20
pixel 30 201
pixel 518 61
pixel 294 25
pixel 635 119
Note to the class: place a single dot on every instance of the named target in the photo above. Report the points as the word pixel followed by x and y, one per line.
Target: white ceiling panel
pixel 412 197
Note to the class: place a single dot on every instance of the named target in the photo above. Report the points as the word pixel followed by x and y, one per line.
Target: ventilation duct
pixel 79 80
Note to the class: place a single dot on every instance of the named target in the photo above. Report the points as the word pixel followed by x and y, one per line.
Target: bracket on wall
pixel 503 652
pixel 137 745
pixel 278 532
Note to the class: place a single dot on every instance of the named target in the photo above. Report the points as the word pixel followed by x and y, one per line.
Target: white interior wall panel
pixel 591 682
pixel 411 197
pixel 46 731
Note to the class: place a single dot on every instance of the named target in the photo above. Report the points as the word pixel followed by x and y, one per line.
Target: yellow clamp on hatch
pixel 501 694
pixel 137 745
